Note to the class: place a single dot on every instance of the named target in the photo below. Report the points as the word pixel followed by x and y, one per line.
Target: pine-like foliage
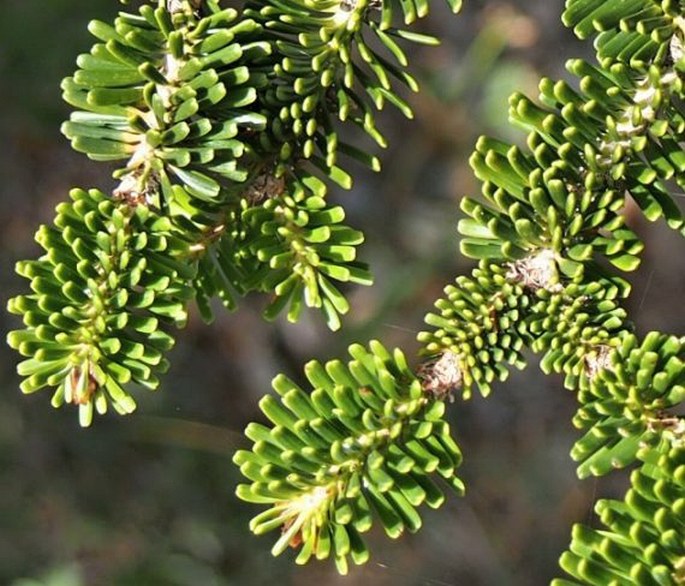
pixel 550 235
pixel 366 439
pixel 225 123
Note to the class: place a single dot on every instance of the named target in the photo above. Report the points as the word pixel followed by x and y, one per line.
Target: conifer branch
pixel 549 223
pixel 226 124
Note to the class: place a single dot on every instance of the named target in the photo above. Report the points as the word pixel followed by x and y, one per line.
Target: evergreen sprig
pixel 550 234
pixel 626 407
pixel 112 275
pixel 227 126
pixel 643 539
pixel 169 93
pixel 362 444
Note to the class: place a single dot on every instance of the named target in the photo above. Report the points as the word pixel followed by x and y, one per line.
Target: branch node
pixel 441 377
pixel 536 271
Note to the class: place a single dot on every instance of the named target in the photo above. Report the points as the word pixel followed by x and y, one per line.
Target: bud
pixel 441 377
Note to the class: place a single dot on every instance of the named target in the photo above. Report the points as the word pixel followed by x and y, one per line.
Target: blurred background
pixel 149 499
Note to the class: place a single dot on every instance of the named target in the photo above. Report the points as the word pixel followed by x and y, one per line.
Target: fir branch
pixel 226 123
pixel 549 217
pixel 363 440
pixel 222 120
pixel 110 277
pixel 642 542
